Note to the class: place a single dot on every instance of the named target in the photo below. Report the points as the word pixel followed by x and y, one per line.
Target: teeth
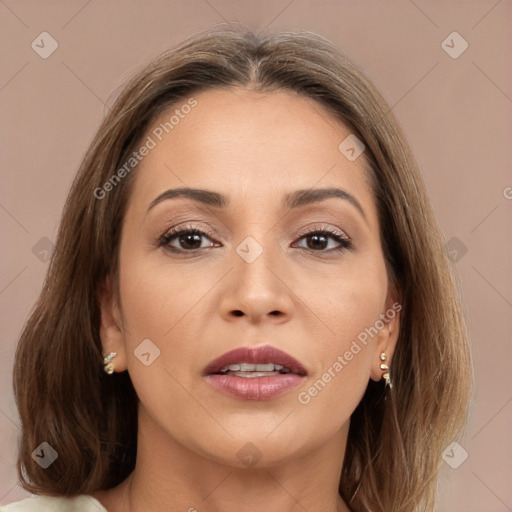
pixel 255 368
pixel 249 375
pixel 265 367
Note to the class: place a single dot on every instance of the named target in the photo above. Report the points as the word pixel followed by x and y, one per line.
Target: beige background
pixel 455 112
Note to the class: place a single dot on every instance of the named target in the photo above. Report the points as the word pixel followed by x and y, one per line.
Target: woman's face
pixel 281 258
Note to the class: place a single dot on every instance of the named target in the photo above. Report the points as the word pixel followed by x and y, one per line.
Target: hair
pixel 396 437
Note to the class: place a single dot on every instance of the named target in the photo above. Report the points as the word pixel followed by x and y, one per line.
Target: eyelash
pixel 345 243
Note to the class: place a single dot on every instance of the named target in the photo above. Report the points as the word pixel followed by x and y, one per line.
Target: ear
pixel 387 337
pixel 111 325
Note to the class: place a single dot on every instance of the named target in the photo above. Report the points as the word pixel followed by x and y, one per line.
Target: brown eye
pixel 189 241
pixel 317 241
pixel 325 240
pixel 186 240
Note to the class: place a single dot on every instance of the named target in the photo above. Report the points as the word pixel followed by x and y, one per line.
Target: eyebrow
pixel 292 200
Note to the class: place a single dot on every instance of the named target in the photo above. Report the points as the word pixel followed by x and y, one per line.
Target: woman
pixel 248 307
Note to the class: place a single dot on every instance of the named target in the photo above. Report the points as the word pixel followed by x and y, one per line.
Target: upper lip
pixel 255 355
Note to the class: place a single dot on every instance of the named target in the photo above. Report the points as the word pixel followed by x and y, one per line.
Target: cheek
pixel 350 304
pixel 158 297
pixel 164 304
pixel 352 319
pixel 160 304
pixel 341 375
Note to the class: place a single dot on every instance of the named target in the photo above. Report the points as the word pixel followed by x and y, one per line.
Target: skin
pixel 253 148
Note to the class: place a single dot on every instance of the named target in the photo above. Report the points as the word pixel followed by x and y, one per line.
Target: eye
pixel 190 239
pixel 326 240
pixel 186 240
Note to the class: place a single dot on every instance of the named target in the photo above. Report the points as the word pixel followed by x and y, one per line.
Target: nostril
pixel 237 312
pixel 275 313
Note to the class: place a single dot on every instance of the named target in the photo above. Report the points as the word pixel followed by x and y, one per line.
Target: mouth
pixel 251 373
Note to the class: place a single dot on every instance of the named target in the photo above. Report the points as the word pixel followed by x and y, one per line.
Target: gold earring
pixel 108 366
pixel 385 370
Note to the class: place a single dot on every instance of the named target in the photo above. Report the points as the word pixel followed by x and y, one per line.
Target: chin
pixel 257 449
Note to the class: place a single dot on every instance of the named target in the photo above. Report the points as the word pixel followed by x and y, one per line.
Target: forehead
pixel 249 145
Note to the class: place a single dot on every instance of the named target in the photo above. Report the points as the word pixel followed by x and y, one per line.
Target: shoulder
pixel 81 503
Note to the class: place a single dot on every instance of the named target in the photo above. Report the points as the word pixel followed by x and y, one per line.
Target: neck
pixel 169 476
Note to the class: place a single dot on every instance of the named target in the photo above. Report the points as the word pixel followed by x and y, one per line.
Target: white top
pixel 81 503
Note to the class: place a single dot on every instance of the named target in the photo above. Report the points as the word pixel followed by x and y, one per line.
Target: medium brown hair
pixel 396 436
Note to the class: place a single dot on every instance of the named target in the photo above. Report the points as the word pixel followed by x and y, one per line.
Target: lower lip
pixel 255 388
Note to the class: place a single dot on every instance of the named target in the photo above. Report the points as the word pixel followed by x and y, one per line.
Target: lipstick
pixel 255 373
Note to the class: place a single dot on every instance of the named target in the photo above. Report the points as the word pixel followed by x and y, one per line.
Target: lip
pixel 255 388
pixel 255 355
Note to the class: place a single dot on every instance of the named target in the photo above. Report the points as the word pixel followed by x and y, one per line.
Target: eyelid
pixel 197 225
pixel 305 231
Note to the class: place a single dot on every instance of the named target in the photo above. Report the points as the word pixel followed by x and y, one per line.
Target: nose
pixel 257 292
